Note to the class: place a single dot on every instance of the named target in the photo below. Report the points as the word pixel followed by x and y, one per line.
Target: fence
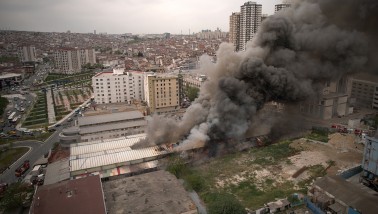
pixel 314 209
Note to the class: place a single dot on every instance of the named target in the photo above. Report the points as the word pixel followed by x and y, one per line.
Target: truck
pixel 36 170
pixel 22 168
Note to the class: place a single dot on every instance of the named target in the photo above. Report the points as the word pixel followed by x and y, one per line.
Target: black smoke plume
pixel 289 60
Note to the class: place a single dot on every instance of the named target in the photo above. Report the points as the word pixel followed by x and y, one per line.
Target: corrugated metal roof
pixel 106 145
pixel 111 126
pixel 117 157
pixel 57 171
pixel 105 118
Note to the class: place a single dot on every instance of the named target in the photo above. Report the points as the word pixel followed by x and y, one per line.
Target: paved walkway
pixel 50 107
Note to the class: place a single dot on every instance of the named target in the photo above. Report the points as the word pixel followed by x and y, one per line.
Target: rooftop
pixel 74 196
pixel 349 193
pixel 106 118
pixel 112 126
pixel 154 192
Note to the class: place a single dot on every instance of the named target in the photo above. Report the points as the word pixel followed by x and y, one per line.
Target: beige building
pixel 363 90
pixel 70 60
pixel 161 92
pixel 333 102
pixel 234 30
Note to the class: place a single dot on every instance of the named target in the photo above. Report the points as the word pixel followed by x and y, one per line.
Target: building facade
pixel 27 54
pixel 363 90
pixel 250 20
pixel 118 86
pixel 72 60
pixel 369 175
pixel 235 30
pixel 279 7
pixel 161 92
pixel 332 102
pixel 105 126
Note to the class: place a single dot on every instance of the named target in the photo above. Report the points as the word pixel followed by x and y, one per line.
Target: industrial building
pixel 369 175
pixel 161 92
pixel 71 60
pixel 83 195
pixel 154 192
pixel 104 126
pixel 118 86
pixel 113 157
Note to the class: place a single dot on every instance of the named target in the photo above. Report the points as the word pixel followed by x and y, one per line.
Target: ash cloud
pixel 289 60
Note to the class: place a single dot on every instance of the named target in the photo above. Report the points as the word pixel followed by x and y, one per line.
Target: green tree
pixel 225 203
pixel 15 196
pixel 192 93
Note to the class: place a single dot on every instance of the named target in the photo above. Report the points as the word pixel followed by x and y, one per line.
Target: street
pixel 38 149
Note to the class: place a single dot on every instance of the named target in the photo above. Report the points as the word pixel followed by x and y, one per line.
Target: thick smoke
pixel 289 60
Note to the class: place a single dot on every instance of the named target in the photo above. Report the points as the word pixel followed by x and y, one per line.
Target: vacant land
pixel 262 174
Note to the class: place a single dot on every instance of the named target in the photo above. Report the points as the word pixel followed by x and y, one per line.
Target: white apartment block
pixel 250 20
pixel 235 30
pixel 118 86
pixel 161 92
pixel 27 54
pixel 72 60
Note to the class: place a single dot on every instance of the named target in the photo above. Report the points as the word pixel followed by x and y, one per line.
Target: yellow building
pixel 161 92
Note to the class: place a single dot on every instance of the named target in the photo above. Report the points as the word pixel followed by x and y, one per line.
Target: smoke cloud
pixel 289 60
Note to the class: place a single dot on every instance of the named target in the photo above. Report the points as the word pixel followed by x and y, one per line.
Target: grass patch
pixel 319 134
pixel 9 156
pixel 41 137
pixel 272 154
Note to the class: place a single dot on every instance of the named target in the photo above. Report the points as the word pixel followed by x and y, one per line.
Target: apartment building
pixel 118 86
pixel 363 90
pixel 194 80
pixel 235 30
pixel 27 54
pixel 104 126
pixel 250 20
pixel 161 92
pixel 279 7
pixel 70 60
pixel 332 102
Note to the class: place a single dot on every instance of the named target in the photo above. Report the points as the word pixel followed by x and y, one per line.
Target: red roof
pixel 74 196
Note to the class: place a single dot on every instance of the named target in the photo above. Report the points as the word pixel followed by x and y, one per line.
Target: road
pixel 37 151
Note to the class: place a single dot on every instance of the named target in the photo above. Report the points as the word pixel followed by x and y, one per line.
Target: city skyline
pixel 117 17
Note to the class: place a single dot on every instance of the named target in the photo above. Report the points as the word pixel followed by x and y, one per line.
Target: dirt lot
pixel 276 171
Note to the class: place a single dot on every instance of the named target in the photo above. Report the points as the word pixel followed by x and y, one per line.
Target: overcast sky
pixel 121 16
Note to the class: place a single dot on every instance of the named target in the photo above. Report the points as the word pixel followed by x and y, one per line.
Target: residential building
pixel 104 126
pixel 161 92
pixel 83 195
pixel 194 80
pixel 250 20
pixel 71 60
pixel 208 34
pixel 363 90
pixel 118 86
pixel 235 30
pixel 27 54
pixel 278 7
pixel 332 102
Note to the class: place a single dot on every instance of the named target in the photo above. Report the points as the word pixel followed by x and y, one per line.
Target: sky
pixel 121 16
